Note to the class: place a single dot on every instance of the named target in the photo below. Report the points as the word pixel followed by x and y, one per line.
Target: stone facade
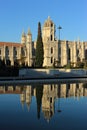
pixel 61 51
pixel 16 52
pixel 56 52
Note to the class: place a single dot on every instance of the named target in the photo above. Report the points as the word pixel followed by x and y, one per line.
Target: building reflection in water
pixel 46 95
pixel 26 96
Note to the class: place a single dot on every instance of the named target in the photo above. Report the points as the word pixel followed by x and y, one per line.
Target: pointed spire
pixel 28 105
pixel 22 104
pixel 29 32
pixel 78 39
pixel 74 41
pixel 65 40
pixel 48 17
pixel 23 33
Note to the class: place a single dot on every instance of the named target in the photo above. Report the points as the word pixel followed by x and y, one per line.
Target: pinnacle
pixel 29 32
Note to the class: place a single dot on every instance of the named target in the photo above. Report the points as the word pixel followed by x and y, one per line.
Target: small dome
pixel 48 22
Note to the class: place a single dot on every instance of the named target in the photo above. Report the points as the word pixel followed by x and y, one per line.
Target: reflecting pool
pixel 44 107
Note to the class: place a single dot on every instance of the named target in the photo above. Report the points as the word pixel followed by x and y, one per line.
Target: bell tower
pixel 48 31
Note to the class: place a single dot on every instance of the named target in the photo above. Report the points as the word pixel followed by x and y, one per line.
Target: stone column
pixel 74 53
pixel 12 56
pixel 83 51
pixel 63 53
pixel 4 54
pixel 71 52
pixel 47 57
pixel 29 54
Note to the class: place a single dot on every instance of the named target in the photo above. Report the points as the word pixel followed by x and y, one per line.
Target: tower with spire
pixel 29 36
pixel 29 48
pixel 48 32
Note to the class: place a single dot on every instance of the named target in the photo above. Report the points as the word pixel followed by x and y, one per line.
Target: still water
pixel 44 107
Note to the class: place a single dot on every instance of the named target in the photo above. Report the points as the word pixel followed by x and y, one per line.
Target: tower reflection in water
pixel 46 95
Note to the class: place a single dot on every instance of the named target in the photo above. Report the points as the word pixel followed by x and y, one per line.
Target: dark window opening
pixel 15 51
pixel 51 100
pixel 51 87
pixel 51 24
pixel 51 37
pixel 51 50
pixel 69 54
pixel 51 59
pixel 86 54
pixel 7 50
pixel 0 52
pixel 77 52
pixel 8 62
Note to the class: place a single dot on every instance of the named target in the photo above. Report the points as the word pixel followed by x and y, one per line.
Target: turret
pixel 23 38
pixel 29 36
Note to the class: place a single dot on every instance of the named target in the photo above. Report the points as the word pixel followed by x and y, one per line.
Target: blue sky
pixel 19 15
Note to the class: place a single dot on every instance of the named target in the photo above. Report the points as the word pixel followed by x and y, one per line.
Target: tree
pixel 39 94
pixel 39 48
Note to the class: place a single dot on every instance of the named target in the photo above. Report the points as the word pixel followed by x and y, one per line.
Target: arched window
pixel 7 51
pixel 86 54
pixel 69 55
pixel 51 87
pixel 77 52
pixel 15 51
pixel 22 51
pixel 51 37
pixel 51 24
pixel 51 50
